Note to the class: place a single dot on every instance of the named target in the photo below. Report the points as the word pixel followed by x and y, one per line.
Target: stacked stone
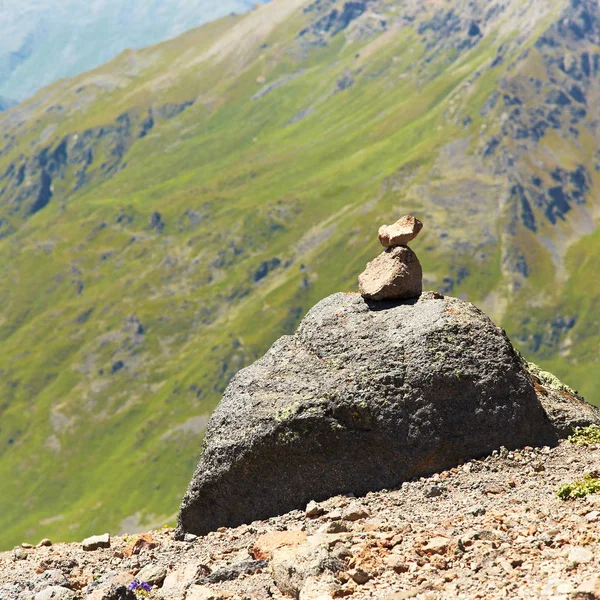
pixel 396 274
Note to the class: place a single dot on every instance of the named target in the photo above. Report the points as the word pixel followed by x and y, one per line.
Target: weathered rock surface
pixel 522 542
pixel 291 568
pixel 401 232
pixel 152 574
pixel 55 592
pixel 361 398
pixel 51 577
pixel 270 542
pixel 396 274
pixel 112 585
pixel 200 592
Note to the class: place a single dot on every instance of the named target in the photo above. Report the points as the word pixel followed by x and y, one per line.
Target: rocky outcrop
pixel 337 19
pixel 27 185
pixel 363 397
pixel 566 56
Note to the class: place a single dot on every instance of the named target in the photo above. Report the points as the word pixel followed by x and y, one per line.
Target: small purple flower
pixel 134 585
pixel 140 586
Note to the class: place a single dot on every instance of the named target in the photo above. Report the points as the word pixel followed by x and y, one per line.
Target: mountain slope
pixel 165 217
pixel 44 40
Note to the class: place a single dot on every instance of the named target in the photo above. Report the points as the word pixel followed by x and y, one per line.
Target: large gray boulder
pixel 362 397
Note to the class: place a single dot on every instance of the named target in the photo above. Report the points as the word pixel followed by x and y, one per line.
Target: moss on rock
pixel 548 380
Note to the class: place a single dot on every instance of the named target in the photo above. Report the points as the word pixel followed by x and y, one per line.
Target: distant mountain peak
pixel 6 103
pixel 46 40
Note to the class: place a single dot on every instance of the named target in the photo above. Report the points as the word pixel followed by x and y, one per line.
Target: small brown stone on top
pixel 401 232
pixel 395 274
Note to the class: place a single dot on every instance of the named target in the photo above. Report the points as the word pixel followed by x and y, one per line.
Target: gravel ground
pixel 491 528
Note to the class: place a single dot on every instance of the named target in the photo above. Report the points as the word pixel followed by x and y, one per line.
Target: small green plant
pixel 585 436
pixel 590 484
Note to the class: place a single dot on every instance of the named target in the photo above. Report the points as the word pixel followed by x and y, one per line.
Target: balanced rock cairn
pixel 396 274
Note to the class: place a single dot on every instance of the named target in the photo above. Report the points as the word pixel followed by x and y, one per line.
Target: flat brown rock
pixel 267 543
pixel 401 232
pixel 396 274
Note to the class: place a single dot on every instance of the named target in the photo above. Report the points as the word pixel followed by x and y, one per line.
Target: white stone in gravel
pixel 51 577
pixel 354 512
pixel 55 592
pixel 589 588
pixel 200 592
pixel 314 510
pixel 152 574
pixel 579 555
pixel 317 588
pixel 593 516
pixel 20 553
pixel 175 583
pixel 335 514
pixel 564 588
pixel 95 542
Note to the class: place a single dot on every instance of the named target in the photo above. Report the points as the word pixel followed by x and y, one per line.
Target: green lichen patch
pixel 585 436
pixel 549 380
pixel 579 489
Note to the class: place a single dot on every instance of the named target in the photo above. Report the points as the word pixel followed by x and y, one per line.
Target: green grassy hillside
pixel 164 218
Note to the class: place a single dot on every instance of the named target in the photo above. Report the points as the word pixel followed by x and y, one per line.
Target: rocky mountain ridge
pixel 490 528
